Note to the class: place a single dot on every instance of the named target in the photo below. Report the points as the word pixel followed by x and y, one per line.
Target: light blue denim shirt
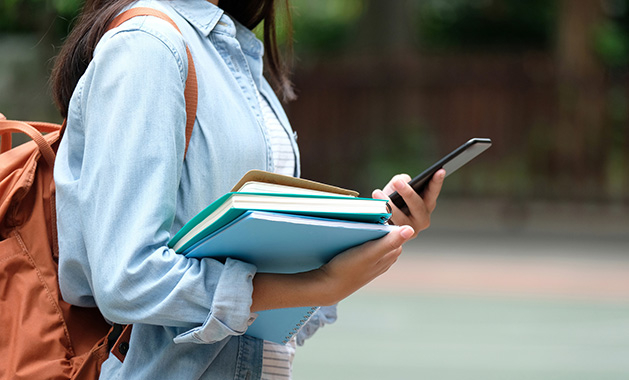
pixel 124 188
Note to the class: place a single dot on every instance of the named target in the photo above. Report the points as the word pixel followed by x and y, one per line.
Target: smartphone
pixel 451 162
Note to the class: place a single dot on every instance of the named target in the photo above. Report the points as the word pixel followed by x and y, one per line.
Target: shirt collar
pixel 207 18
pixel 249 43
pixel 201 14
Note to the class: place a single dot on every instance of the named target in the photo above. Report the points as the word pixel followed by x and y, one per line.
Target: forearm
pixel 336 280
pixel 276 291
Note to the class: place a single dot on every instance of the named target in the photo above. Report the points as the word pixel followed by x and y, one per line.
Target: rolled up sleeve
pixel 230 309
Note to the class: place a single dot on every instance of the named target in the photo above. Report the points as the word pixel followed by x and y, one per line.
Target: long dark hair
pixel 96 15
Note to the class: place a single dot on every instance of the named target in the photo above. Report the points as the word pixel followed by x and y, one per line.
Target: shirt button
pixel 123 348
pixel 252 318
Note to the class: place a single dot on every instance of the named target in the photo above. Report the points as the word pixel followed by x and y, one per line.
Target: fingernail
pixel 407 232
pixel 398 185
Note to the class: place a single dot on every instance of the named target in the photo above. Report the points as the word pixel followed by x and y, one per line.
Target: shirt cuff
pixel 325 315
pixel 230 312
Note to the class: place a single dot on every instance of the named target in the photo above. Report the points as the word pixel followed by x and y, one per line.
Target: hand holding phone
pixel 451 162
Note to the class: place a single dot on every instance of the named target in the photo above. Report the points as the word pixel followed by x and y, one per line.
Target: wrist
pixel 276 291
pixel 330 289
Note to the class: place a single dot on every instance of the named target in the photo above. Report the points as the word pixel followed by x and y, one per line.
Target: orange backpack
pixel 41 335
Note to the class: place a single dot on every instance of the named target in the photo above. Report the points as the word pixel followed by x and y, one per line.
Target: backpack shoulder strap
pixel 191 91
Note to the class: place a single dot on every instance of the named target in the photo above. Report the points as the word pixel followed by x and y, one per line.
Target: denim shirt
pixel 124 189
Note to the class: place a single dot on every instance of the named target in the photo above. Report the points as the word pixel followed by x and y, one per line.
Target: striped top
pixel 282 150
pixel 277 359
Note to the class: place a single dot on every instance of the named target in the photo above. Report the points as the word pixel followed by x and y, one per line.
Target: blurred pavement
pixel 567 251
pixel 490 291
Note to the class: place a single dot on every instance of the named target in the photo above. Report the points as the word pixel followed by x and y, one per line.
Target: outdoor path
pixel 575 251
pixel 528 264
pixel 490 291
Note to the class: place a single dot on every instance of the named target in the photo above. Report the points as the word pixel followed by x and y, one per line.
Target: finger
pixel 388 189
pixel 413 201
pixel 390 242
pixel 396 238
pixel 387 262
pixel 379 194
pixel 404 177
pixel 371 253
pixel 433 189
pixel 397 216
pixel 390 257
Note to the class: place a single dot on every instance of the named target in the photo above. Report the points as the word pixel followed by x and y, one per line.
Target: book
pixel 292 184
pixel 282 224
pixel 235 203
pixel 272 188
pixel 284 243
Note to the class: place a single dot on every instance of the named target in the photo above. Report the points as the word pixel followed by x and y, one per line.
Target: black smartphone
pixel 451 162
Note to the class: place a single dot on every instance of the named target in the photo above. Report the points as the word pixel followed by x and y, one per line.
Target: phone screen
pixel 451 162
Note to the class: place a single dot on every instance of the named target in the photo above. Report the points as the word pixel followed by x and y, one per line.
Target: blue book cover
pixel 284 243
pixel 232 205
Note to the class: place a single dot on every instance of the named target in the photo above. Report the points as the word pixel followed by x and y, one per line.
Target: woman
pixel 124 188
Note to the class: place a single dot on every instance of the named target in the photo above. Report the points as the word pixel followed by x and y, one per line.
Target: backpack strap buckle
pixel 118 340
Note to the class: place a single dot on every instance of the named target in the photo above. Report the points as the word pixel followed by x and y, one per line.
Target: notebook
pixel 262 177
pixel 284 243
pixel 291 225
pixel 233 204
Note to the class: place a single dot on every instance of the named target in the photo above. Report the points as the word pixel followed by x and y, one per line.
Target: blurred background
pixel 524 272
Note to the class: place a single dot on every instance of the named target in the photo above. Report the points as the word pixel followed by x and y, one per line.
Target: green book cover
pixel 231 205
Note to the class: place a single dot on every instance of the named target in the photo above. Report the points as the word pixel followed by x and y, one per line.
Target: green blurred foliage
pixel 505 24
pixel 396 152
pixel 328 26
pixel 325 25
pixel 67 7
pixel 611 43
pixel 36 15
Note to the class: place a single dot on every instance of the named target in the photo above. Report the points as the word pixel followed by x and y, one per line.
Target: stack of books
pixel 282 224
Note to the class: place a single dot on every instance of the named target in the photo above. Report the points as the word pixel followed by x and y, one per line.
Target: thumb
pixel 401 235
